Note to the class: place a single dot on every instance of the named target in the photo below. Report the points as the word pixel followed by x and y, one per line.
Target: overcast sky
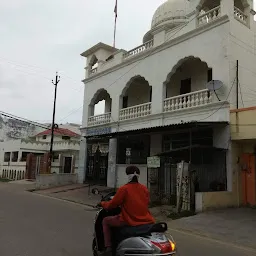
pixel 39 37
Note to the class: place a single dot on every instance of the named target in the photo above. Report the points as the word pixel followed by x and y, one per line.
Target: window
pixel 24 156
pixel 209 75
pixel 125 101
pixel 185 86
pixel 7 157
pixel 150 95
pixel 44 137
pixel 15 156
pixel 65 137
pixel 133 149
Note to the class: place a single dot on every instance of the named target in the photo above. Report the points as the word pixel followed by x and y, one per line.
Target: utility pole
pixel 237 84
pixel 57 80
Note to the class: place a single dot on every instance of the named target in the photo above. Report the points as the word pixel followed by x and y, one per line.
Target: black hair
pixel 131 170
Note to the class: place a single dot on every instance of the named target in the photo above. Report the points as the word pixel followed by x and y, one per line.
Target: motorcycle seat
pixel 128 231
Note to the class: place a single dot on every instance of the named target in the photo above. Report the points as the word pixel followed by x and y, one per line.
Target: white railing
pixel 139 49
pixel 189 100
pixel 13 172
pixel 135 111
pixel 240 16
pixel 93 71
pixel 99 119
pixel 209 16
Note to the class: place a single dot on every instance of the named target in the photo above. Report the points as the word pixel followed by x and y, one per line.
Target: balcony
pixel 99 119
pixel 139 49
pixel 133 112
pixel 209 16
pixel 187 101
pixel 240 16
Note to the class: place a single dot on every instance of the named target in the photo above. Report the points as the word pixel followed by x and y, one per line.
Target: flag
pixel 115 10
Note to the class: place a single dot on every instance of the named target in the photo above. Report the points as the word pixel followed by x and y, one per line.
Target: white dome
pixel 171 12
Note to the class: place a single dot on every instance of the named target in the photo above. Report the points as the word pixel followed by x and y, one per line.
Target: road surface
pixel 34 225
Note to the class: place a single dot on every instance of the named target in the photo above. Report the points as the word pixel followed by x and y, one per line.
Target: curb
pixel 208 237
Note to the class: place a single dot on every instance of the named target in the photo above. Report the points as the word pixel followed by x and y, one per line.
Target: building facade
pixel 25 158
pixel 157 100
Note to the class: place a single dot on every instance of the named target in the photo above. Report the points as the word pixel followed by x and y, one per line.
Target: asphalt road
pixel 34 225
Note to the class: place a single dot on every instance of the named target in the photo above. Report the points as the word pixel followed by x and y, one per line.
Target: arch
pixel 180 63
pixel 23 175
pixel 128 84
pixel 93 60
pixel 96 95
pixel 241 4
pixel 209 3
pixel 190 74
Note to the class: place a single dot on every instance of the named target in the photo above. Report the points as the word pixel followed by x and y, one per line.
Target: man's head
pixel 133 173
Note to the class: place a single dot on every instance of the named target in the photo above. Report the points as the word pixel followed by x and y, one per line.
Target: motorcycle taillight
pixel 165 247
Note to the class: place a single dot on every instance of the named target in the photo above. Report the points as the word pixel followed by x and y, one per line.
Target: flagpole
pixel 114 44
pixel 115 11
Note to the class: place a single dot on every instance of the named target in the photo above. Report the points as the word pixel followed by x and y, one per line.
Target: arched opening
pixel 23 175
pixel 207 5
pixel 136 98
pixel 242 10
pixel 137 91
pixel 100 108
pixel 93 65
pixel 209 10
pixel 186 85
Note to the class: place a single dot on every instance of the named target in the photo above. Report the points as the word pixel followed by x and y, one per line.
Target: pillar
pixel 227 8
pixel 112 175
pixel 81 173
pixel 157 98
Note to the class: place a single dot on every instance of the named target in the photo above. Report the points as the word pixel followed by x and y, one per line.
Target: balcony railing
pixel 135 111
pixel 189 100
pixel 99 119
pixel 209 16
pixel 93 71
pixel 240 16
pixel 139 49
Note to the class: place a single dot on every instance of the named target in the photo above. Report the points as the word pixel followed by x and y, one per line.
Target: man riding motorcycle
pixel 133 198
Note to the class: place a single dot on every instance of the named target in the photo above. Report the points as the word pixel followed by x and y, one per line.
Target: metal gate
pixel 167 181
pixel 97 167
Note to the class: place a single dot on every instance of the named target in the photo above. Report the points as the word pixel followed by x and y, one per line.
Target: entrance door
pixel 248 179
pixel 67 164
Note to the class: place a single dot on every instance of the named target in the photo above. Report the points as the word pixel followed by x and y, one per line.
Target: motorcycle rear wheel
pixel 94 248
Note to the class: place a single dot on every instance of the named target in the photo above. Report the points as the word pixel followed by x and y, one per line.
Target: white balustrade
pixel 93 71
pixel 189 100
pixel 209 16
pixel 135 111
pixel 99 119
pixel 239 15
pixel 139 49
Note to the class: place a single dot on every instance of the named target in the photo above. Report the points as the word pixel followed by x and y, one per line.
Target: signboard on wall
pixel 153 162
pixel 128 151
pixel 98 131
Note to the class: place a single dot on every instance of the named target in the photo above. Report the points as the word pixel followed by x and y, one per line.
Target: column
pixel 227 8
pixel 157 98
pixel 81 173
pixel 112 175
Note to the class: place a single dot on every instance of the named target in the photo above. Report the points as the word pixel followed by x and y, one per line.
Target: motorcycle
pixel 136 241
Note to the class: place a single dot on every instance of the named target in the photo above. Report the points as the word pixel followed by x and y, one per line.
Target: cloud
pixel 41 37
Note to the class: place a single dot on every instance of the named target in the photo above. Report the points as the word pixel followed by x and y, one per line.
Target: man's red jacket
pixel 133 198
